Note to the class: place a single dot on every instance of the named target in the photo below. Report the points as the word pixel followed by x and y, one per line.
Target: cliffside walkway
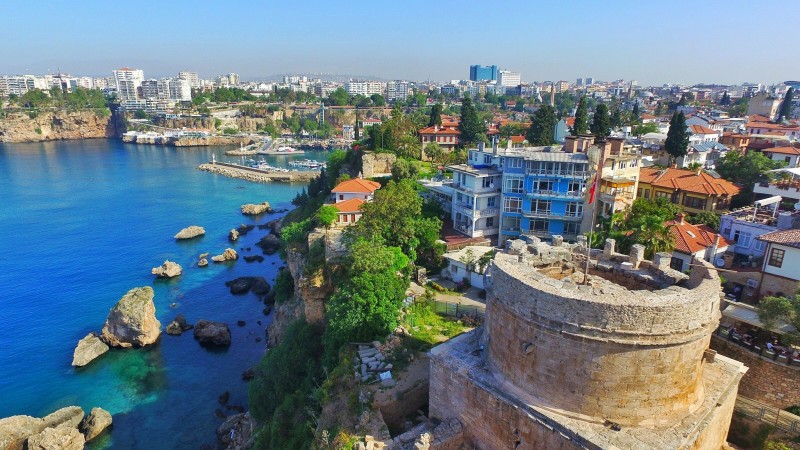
pixel 771 415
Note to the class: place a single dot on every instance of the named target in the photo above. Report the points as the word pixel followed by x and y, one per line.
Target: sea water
pixel 81 223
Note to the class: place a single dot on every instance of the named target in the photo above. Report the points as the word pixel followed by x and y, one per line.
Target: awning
pixel 749 315
pixel 791 170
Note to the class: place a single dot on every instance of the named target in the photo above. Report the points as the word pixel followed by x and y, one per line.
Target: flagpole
pixel 596 192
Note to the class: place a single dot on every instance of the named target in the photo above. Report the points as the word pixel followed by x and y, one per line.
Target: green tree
pixel 543 124
pixel 773 310
pixel 326 215
pixel 786 106
pixel 339 97
pixel 725 100
pixel 434 152
pixel 635 113
pixel 377 100
pixel 642 223
pixel 601 122
pixel 640 130
pixel 705 218
pixel 403 168
pixel 739 108
pixel 746 171
pixel 471 127
pixel 677 142
pixel 616 117
pixel 581 118
pixel 436 115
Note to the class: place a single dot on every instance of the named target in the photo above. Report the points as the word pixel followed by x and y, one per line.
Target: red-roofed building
pixel 788 154
pixel 349 211
pixel 354 188
pixel 781 269
pixel 775 129
pixel 700 133
pixel 695 191
pixel 445 136
pixel 694 241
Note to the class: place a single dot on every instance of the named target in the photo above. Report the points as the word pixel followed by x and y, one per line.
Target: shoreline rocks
pixel 62 430
pixel 210 333
pixel 167 270
pixel 132 321
pixel 233 235
pixel 95 423
pixel 88 349
pixel 178 326
pixel 228 255
pixel 270 244
pixel 242 285
pixel 190 232
pixel 253 209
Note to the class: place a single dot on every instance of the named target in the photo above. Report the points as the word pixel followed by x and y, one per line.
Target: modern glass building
pixel 482 73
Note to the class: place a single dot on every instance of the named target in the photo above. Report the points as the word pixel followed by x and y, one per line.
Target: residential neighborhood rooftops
pixel 789 238
pixel 700 129
pixel 357 185
pixel 439 130
pixel 690 238
pixel 786 150
pixel 687 180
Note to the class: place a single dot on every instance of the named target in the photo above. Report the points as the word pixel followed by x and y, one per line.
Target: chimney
pixel 436 127
pixel 571 144
pixel 714 248
pixel 508 143
pixel 679 217
pixel 617 144
pixel 494 145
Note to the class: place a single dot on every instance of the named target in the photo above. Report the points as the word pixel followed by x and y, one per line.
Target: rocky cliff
pixel 56 125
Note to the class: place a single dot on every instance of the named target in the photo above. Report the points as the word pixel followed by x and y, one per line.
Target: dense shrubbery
pixel 284 286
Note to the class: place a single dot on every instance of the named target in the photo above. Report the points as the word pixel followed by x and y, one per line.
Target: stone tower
pixel 616 361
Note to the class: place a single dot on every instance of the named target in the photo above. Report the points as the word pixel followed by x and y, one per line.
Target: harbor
pixel 256 174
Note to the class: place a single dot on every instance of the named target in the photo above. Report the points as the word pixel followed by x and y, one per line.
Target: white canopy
pixel 749 315
pixel 791 170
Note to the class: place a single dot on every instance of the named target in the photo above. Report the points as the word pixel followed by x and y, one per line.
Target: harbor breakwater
pixel 257 175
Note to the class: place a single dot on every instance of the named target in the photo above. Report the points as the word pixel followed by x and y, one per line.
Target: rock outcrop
pixel 212 333
pixel 236 432
pixel 132 321
pixel 56 125
pixel 178 326
pixel 57 439
pixel 233 235
pixel 190 232
pixel 88 349
pixel 17 432
pixel 242 285
pixel 269 244
pixel 167 270
pixel 228 255
pixel 252 209
pixel 95 423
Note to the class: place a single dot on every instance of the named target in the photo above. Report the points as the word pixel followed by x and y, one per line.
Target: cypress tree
pixel 436 115
pixel 677 143
pixel 601 123
pixel 357 127
pixel 725 100
pixel 786 106
pixel 471 127
pixel 616 117
pixel 635 113
pixel 581 118
pixel 543 124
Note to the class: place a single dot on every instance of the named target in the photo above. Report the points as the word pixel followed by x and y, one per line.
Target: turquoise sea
pixel 81 223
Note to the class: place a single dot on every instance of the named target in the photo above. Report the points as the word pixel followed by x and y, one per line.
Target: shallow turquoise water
pixel 81 222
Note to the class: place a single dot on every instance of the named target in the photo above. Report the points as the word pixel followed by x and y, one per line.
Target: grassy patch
pixel 428 329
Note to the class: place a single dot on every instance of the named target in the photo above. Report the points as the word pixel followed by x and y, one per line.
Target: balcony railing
pixel 469 211
pixel 478 190
pixel 550 193
pixel 558 173
pixel 555 215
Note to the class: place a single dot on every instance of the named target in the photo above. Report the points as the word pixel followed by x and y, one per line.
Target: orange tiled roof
pixel 699 129
pixel 783 237
pixel 349 206
pixel 772 126
pixel 758 118
pixel 783 150
pixel 359 185
pixel 570 121
pixel 517 139
pixel 687 180
pixel 440 130
pixel 691 239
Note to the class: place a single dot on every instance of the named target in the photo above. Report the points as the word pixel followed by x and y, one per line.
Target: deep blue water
pixel 81 223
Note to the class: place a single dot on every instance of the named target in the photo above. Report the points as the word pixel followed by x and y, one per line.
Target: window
pixel 490 222
pixel 513 185
pixel 676 264
pixel 487 159
pixel 459 197
pixel 571 227
pixel 541 206
pixel 575 186
pixel 574 209
pixel 543 185
pixel 341 197
pixel 694 202
pixel 512 204
pixel 487 182
pixel 742 238
pixel 511 223
pixel 759 245
pixel 540 225
pixel 776 257
pixel 663 195
pixel 647 193
pixel 639 192
pixel 515 163
pixel 491 202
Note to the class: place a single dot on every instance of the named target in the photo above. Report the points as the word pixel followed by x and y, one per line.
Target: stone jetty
pixel 257 175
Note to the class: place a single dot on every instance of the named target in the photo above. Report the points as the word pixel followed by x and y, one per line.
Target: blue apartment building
pixel 482 73
pixel 541 191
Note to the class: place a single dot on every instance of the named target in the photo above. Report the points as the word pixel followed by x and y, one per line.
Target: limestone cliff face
pixel 308 300
pixel 57 125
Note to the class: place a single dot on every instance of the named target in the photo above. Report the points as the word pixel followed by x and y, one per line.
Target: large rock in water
pixel 15 430
pixel 92 425
pixel 190 232
pixel 132 321
pixel 228 255
pixel 178 326
pixel 269 244
pixel 87 350
pixel 252 209
pixel 233 235
pixel 57 439
pixel 212 333
pixel 167 270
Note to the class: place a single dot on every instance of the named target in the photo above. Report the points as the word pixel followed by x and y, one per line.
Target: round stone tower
pixel 626 348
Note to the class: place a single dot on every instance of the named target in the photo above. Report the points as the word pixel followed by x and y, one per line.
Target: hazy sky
pixel 723 41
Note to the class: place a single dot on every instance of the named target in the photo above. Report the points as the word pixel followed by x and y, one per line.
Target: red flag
pixel 591 191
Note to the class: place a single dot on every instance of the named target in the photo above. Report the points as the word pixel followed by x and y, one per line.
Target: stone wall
pixel 772 285
pixel 377 164
pixel 765 381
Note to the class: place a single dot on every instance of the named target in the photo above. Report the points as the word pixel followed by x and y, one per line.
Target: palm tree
pixel 654 235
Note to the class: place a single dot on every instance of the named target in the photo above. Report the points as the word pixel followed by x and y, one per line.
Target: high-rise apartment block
pixel 191 77
pixel 128 82
pixel 364 87
pixel 509 79
pixel 482 73
pixel 397 90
